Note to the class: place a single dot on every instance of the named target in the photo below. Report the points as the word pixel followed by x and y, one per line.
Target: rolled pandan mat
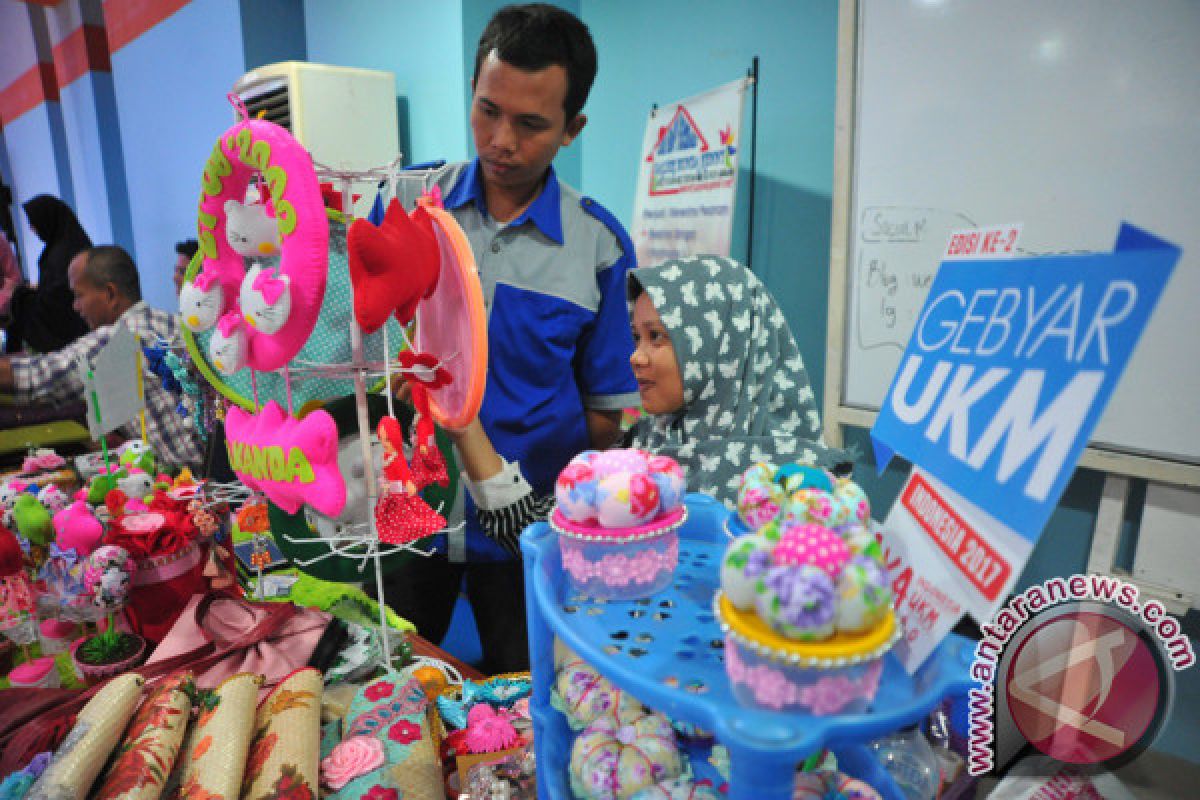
pixel 214 754
pixel 285 754
pixel 78 761
pixel 151 743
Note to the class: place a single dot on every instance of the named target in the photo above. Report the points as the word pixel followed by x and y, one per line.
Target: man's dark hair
pixel 535 36
pixel 187 247
pixel 111 264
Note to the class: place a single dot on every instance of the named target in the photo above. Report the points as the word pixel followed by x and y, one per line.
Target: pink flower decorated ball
pixel 625 500
pixel 575 491
pixel 808 505
pixel 668 477
pixel 760 502
pixel 812 545
pixel 614 462
pixel 851 506
pixel 107 574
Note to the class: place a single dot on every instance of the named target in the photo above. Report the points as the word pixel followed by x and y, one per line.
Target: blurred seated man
pixel 183 256
pixel 105 285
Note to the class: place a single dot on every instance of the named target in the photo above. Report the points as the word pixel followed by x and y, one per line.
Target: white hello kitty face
pixel 265 299
pixel 53 498
pixel 250 231
pixel 199 308
pixel 8 495
pixel 227 351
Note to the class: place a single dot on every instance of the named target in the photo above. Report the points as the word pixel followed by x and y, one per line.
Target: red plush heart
pixel 392 266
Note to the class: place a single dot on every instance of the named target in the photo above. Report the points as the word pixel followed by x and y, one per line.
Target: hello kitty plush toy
pixel 250 230
pixel 201 301
pixel 265 299
pixel 227 347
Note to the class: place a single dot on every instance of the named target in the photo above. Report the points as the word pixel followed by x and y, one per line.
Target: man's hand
pixel 604 428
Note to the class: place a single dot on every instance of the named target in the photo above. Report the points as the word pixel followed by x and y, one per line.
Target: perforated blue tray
pixel 667 651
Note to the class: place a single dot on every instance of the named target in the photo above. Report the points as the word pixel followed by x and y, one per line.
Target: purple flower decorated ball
pixel 575 491
pixel 746 560
pixel 811 545
pixel 798 602
pixel 863 596
pixel 668 477
pixel 107 573
pixel 625 500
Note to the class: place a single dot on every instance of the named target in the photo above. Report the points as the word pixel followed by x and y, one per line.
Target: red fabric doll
pixel 428 465
pixel 401 516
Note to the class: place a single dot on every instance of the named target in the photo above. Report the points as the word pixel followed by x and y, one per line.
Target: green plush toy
pixel 33 520
pixel 101 485
pixel 137 454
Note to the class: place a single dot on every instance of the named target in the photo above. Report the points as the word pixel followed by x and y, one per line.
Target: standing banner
pixel 687 180
pixel 1006 375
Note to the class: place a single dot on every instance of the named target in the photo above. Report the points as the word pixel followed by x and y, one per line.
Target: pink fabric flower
pixel 488 731
pixel 404 732
pixel 377 691
pixel 353 757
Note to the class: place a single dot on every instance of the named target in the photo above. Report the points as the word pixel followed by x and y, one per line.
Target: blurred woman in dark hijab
pixel 43 316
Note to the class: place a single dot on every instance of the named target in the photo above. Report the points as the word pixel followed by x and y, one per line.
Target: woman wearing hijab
pixel 44 316
pixel 722 383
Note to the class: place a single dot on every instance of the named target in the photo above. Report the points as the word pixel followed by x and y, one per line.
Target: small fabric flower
pixel 424 367
pixel 377 792
pixel 351 758
pixel 404 732
pixel 378 691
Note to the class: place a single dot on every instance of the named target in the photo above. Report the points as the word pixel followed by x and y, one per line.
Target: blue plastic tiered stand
pixel 668 650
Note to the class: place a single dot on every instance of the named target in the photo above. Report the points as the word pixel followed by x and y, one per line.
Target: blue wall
pixel 87 160
pixel 665 51
pixel 171 84
pixel 421 43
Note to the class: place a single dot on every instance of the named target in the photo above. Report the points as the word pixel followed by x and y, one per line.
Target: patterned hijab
pixel 746 394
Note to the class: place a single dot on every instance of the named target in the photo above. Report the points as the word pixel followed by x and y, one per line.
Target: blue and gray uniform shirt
pixel 558 327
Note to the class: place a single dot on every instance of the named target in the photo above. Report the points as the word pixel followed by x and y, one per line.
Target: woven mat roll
pixel 213 757
pixel 286 752
pixel 151 743
pixel 87 747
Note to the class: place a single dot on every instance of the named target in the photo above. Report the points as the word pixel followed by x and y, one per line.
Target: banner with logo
pixel 1006 375
pixel 687 179
pixel 1010 366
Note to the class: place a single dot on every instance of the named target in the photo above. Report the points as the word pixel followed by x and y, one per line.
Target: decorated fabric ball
pixel 626 499
pixel 575 491
pixel 863 596
pixel 760 502
pixel 850 504
pixel 794 477
pixel 107 573
pixel 669 478
pixel 798 602
pixel 613 761
pixel 860 541
pixel 584 696
pixel 812 545
pixel 746 559
pixel 808 505
pixel 676 789
pixel 613 462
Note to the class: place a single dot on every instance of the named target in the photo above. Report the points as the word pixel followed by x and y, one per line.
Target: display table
pixel 668 652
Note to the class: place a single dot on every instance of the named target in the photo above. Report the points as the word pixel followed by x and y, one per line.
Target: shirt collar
pixel 545 211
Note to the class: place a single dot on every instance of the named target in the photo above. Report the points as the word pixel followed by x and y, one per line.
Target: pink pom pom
pixel 812 545
pixel 488 731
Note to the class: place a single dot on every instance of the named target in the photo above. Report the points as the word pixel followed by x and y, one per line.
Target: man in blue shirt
pixel 552 265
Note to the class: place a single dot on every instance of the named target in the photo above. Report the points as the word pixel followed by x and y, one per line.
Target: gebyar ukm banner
pixel 1010 366
pixel 687 178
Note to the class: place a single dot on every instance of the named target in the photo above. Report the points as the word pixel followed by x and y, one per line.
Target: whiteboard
pixel 1066 116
